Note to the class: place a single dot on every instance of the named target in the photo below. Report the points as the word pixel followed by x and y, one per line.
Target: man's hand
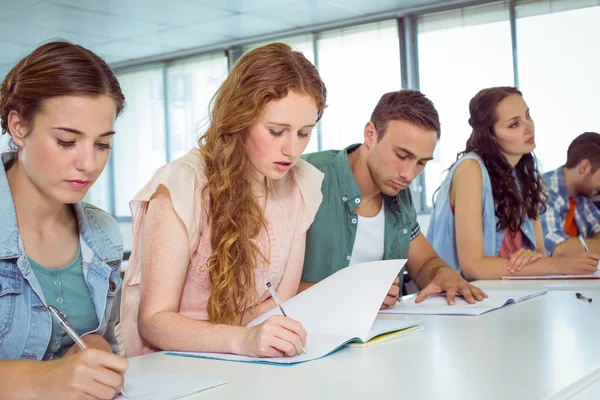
pixel 449 281
pixel 392 296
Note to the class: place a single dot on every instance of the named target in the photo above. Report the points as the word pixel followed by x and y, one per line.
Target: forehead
pixel 510 107
pixel 293 108
pixel 78 111
pixel 409 136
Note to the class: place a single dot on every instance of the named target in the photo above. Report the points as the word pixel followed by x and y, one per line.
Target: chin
pixel 70 198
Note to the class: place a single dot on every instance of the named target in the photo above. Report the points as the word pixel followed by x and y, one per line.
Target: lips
pixel 398 186
pixel 531 140
pixel 78 184
pixel 282 165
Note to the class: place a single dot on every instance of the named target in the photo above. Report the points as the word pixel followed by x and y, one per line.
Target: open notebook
pixel 595 275
pixel 149 386
pixel 340 309
pixel 438 305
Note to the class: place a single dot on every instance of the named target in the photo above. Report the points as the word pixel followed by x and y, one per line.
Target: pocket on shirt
pixel 11 286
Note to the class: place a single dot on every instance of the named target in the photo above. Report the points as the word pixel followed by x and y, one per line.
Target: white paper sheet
pixel 595 275
pixel 338 309
pixel 438 305
pixel 164 387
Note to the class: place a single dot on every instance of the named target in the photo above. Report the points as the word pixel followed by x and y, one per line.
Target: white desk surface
pixel 532 350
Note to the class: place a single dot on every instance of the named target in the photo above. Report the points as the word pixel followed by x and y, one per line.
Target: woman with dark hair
pixel 214 226
pixel 485 221
pixel 59 106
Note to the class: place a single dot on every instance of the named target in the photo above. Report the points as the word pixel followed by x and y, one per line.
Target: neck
pixel 358 164
pixel 571 180
pixel 513 160
pixel 259 183
pixel 34 208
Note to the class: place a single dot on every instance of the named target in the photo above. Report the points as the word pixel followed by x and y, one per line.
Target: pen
pixel 278 302
pixel 71 332
pixel 582 297
pixel 583 243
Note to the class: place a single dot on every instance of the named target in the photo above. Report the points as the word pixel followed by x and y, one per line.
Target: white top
pixel 368 243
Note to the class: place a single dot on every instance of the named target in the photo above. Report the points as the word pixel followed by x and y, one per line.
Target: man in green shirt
pixel 367 213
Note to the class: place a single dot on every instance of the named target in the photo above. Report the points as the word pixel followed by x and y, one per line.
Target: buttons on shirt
pixel 59 300
pixel 57 282
pixel 404 231
pixel 50 356
pixel 354 220
pixel 344 198
pixel 357 201
pixel 348 258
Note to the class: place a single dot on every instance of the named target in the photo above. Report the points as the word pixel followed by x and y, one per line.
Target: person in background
pixel 59 106
pixel 213 227
pixel 367 212
pixel 486 217
pixel 570 211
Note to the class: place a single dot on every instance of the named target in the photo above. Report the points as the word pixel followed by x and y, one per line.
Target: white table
pixel 531 350
pixel 576 285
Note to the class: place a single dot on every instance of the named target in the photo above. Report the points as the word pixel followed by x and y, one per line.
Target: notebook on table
pixel 338 310
pixel 438 305
pixel 595 275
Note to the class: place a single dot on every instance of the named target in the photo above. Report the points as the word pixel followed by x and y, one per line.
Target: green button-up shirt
pixel 330 239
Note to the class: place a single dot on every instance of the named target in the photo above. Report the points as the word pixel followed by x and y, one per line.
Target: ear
pixel 370 134
pixel 16 128
pixel 584 167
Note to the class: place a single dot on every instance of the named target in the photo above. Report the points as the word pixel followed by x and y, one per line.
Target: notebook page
pixel 438 305
pixel 147 386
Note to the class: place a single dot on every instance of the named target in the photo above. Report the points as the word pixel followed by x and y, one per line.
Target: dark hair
pixel 511 204
pixel 405 105
pixel 585 147
pixel 55 69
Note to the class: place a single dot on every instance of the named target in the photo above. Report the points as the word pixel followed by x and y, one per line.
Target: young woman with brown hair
pixel 485 221
pixel 211 228
pixel 59 106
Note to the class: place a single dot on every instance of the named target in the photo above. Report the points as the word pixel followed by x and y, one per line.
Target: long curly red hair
pixel 262 75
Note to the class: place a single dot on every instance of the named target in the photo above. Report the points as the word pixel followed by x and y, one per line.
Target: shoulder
pixel 103 230
pixel 322 160
pixel 468 169
pixel 308 180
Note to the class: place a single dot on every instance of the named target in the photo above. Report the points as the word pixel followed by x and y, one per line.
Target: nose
pixel 408 171
pixel 291 146
pixel 86 159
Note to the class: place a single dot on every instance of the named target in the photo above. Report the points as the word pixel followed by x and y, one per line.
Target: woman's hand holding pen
pixel 93 341
pixel 579 264
pixel 277 336
pixel 393 294
pixel 89 374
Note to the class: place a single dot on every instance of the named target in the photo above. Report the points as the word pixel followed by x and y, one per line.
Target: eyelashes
pixel 68 145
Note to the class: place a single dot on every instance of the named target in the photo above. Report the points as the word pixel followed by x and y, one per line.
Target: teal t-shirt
pixel 65 288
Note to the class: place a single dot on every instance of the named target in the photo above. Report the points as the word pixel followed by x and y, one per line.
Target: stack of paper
pixel 595 275
pixel 438 305
pixel 335 311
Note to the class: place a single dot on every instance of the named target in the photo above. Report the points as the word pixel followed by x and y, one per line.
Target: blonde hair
pixel 262 75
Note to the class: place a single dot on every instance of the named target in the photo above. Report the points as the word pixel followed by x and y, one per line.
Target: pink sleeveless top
pixel 291 206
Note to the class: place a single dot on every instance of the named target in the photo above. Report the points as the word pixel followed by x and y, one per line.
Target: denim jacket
pixel 25 323
pixel 441 232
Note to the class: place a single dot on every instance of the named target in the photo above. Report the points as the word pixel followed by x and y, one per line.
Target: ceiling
pixel 128 30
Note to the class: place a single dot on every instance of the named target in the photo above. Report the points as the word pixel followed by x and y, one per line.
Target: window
pixel 139 144
pixel 460 53
pixel 190 86
pixel 558 72
pixel 358 65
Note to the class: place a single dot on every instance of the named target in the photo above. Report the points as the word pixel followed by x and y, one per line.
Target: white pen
pixel 73 335
pixel 278 302
pixel 583 243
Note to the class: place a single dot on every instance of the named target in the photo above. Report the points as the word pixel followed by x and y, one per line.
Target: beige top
pixel 291 205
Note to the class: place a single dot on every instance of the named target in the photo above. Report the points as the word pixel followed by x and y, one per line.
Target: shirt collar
pixel 348 186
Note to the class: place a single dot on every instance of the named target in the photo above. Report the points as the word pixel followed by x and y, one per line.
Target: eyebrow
pixel 517 117
pixel 411 154
pixel 77 132
pixel 289 126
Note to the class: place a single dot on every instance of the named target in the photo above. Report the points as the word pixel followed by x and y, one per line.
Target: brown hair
pixel 584 147
pixel 511 204
pixel 262 75
pixel 55 69
pixel 405 105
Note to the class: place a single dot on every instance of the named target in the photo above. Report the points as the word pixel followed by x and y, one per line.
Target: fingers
pixel 521 258
pixel 391 298
pixel 428 290
pixel 451 295
pixel 513 258
pixel 107 360
pixel 290 325
pixel 109 378
pixel 465 291
pixel 287 342
pixel 99 390
pixel 396 281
